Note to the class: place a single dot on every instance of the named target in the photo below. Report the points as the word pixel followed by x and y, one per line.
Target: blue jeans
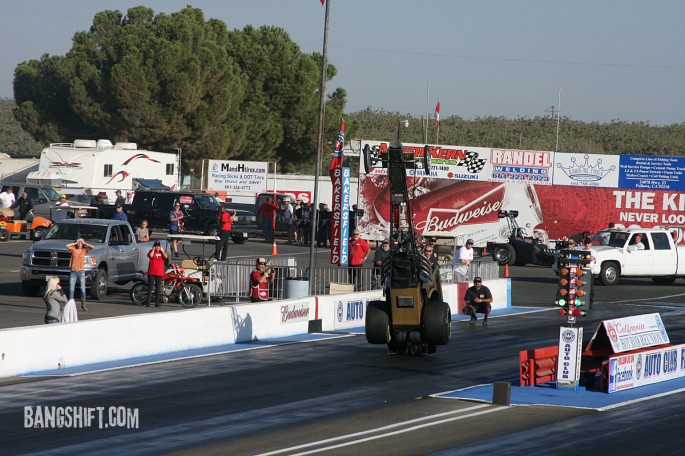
pixel 268 228
pixel 81 275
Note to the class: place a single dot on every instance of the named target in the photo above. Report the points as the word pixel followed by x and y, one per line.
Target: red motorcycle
pixel 188 290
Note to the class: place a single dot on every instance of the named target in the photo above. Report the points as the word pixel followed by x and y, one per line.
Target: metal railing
pixel 231 279
pixel 363 279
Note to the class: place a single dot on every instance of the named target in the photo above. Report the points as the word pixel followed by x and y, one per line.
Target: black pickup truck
pixel 199 210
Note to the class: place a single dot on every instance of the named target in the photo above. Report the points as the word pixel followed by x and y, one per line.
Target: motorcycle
pixel 187 289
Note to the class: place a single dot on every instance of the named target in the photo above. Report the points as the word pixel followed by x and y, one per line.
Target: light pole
pixel 401 124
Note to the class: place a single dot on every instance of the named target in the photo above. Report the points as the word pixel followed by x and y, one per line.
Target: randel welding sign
pixel 236 176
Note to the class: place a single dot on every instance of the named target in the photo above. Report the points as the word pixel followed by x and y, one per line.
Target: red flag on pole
pixel 338 153
pixel 437 116
pixel 322 2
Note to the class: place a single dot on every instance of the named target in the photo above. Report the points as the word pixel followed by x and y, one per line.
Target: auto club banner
pixel 235 176
pixel 555 194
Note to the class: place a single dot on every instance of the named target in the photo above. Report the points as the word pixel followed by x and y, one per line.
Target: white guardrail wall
pixel 38 348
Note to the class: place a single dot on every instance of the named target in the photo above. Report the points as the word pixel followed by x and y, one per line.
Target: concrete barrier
pixel 37 348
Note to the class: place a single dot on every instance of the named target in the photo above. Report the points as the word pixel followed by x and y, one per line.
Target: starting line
pixel 548 394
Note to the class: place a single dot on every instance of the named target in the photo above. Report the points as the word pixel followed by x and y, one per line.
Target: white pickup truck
pixel 620 255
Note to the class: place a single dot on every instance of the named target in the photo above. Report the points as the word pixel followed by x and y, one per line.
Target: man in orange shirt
pixel 78 250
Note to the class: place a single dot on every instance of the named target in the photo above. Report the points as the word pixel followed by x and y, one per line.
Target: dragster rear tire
pixel 437 323
pixel 377 323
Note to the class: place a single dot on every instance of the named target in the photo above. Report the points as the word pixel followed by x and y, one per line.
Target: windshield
pixel 610 238
pixel 71 231
pixel 206 202
pixel 50 193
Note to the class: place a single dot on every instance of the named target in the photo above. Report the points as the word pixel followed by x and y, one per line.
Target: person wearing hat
pixel 120 214
pixel 60 212
pixel 155 272
pixel 129 198
pixel 478 299
pixel 225 226
pixel 119 199
pixel 464 259
pixel 260 278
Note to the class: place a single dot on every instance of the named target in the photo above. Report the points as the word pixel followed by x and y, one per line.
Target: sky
pixel 595 60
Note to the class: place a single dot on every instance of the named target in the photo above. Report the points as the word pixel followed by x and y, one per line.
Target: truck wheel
pixel 504 254
pixel 189 295
pixel 139 294
pixel 609 274
pixel 29 289
pixel 663 280
pixel 436 323
pixel 4 235
pixel 98 289
pixel 38 233
pixel 377 323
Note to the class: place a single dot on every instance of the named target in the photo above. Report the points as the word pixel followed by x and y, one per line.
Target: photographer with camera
pixel 260 278
pixel 155 272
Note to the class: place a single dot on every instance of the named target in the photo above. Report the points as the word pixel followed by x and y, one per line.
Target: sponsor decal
pixel 341 311
pixel 137 156
pixel 585 172
pixel 121 176
pixel 294 313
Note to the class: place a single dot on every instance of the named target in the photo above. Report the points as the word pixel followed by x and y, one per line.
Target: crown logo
pixel 585 172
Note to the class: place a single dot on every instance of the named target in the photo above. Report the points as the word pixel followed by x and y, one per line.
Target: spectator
pixel 353 217
pixel 379 256
pixel 155 272
pixel 359 251
pixel 61 209
pixel 55 300
pixel 478 300
pixel 119 199
pixel 24 204
pixel 218 198
pixel 142 232
pixel 176 225
pixel 129 198
pixel 225 225
pixel 300 214
pixel 324 226
pixel 260 278
pixel 290 219
pixel 429 251
pixel 7 198
pixel 120 214
pixel 464 258
pixel 78 250
pixel 96 200
pixel 268 211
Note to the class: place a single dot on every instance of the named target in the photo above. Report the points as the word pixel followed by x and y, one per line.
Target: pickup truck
pixel 117 257
pixel 200 212
pixel 618 255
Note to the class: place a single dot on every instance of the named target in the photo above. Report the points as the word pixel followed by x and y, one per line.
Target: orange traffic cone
pixel 506 270
pixel 274 248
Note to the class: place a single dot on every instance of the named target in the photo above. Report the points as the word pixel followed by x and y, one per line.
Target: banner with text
pixel 631 370
pixel 340 214
pixel 236 176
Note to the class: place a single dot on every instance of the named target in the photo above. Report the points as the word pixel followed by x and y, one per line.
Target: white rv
pixel 100 166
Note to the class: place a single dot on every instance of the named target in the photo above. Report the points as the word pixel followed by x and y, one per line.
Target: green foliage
pixel 538 133
pixel 179 81
pixel 13 139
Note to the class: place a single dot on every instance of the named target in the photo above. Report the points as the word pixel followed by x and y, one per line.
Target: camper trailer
pixel 100 166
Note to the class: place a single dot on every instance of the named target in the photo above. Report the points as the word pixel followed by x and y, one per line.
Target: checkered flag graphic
pixel 473 163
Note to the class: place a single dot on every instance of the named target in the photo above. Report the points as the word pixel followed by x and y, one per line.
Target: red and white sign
pixel 634 333
pixel 306 196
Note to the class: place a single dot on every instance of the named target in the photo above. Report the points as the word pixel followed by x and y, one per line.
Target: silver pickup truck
pixel 117 257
